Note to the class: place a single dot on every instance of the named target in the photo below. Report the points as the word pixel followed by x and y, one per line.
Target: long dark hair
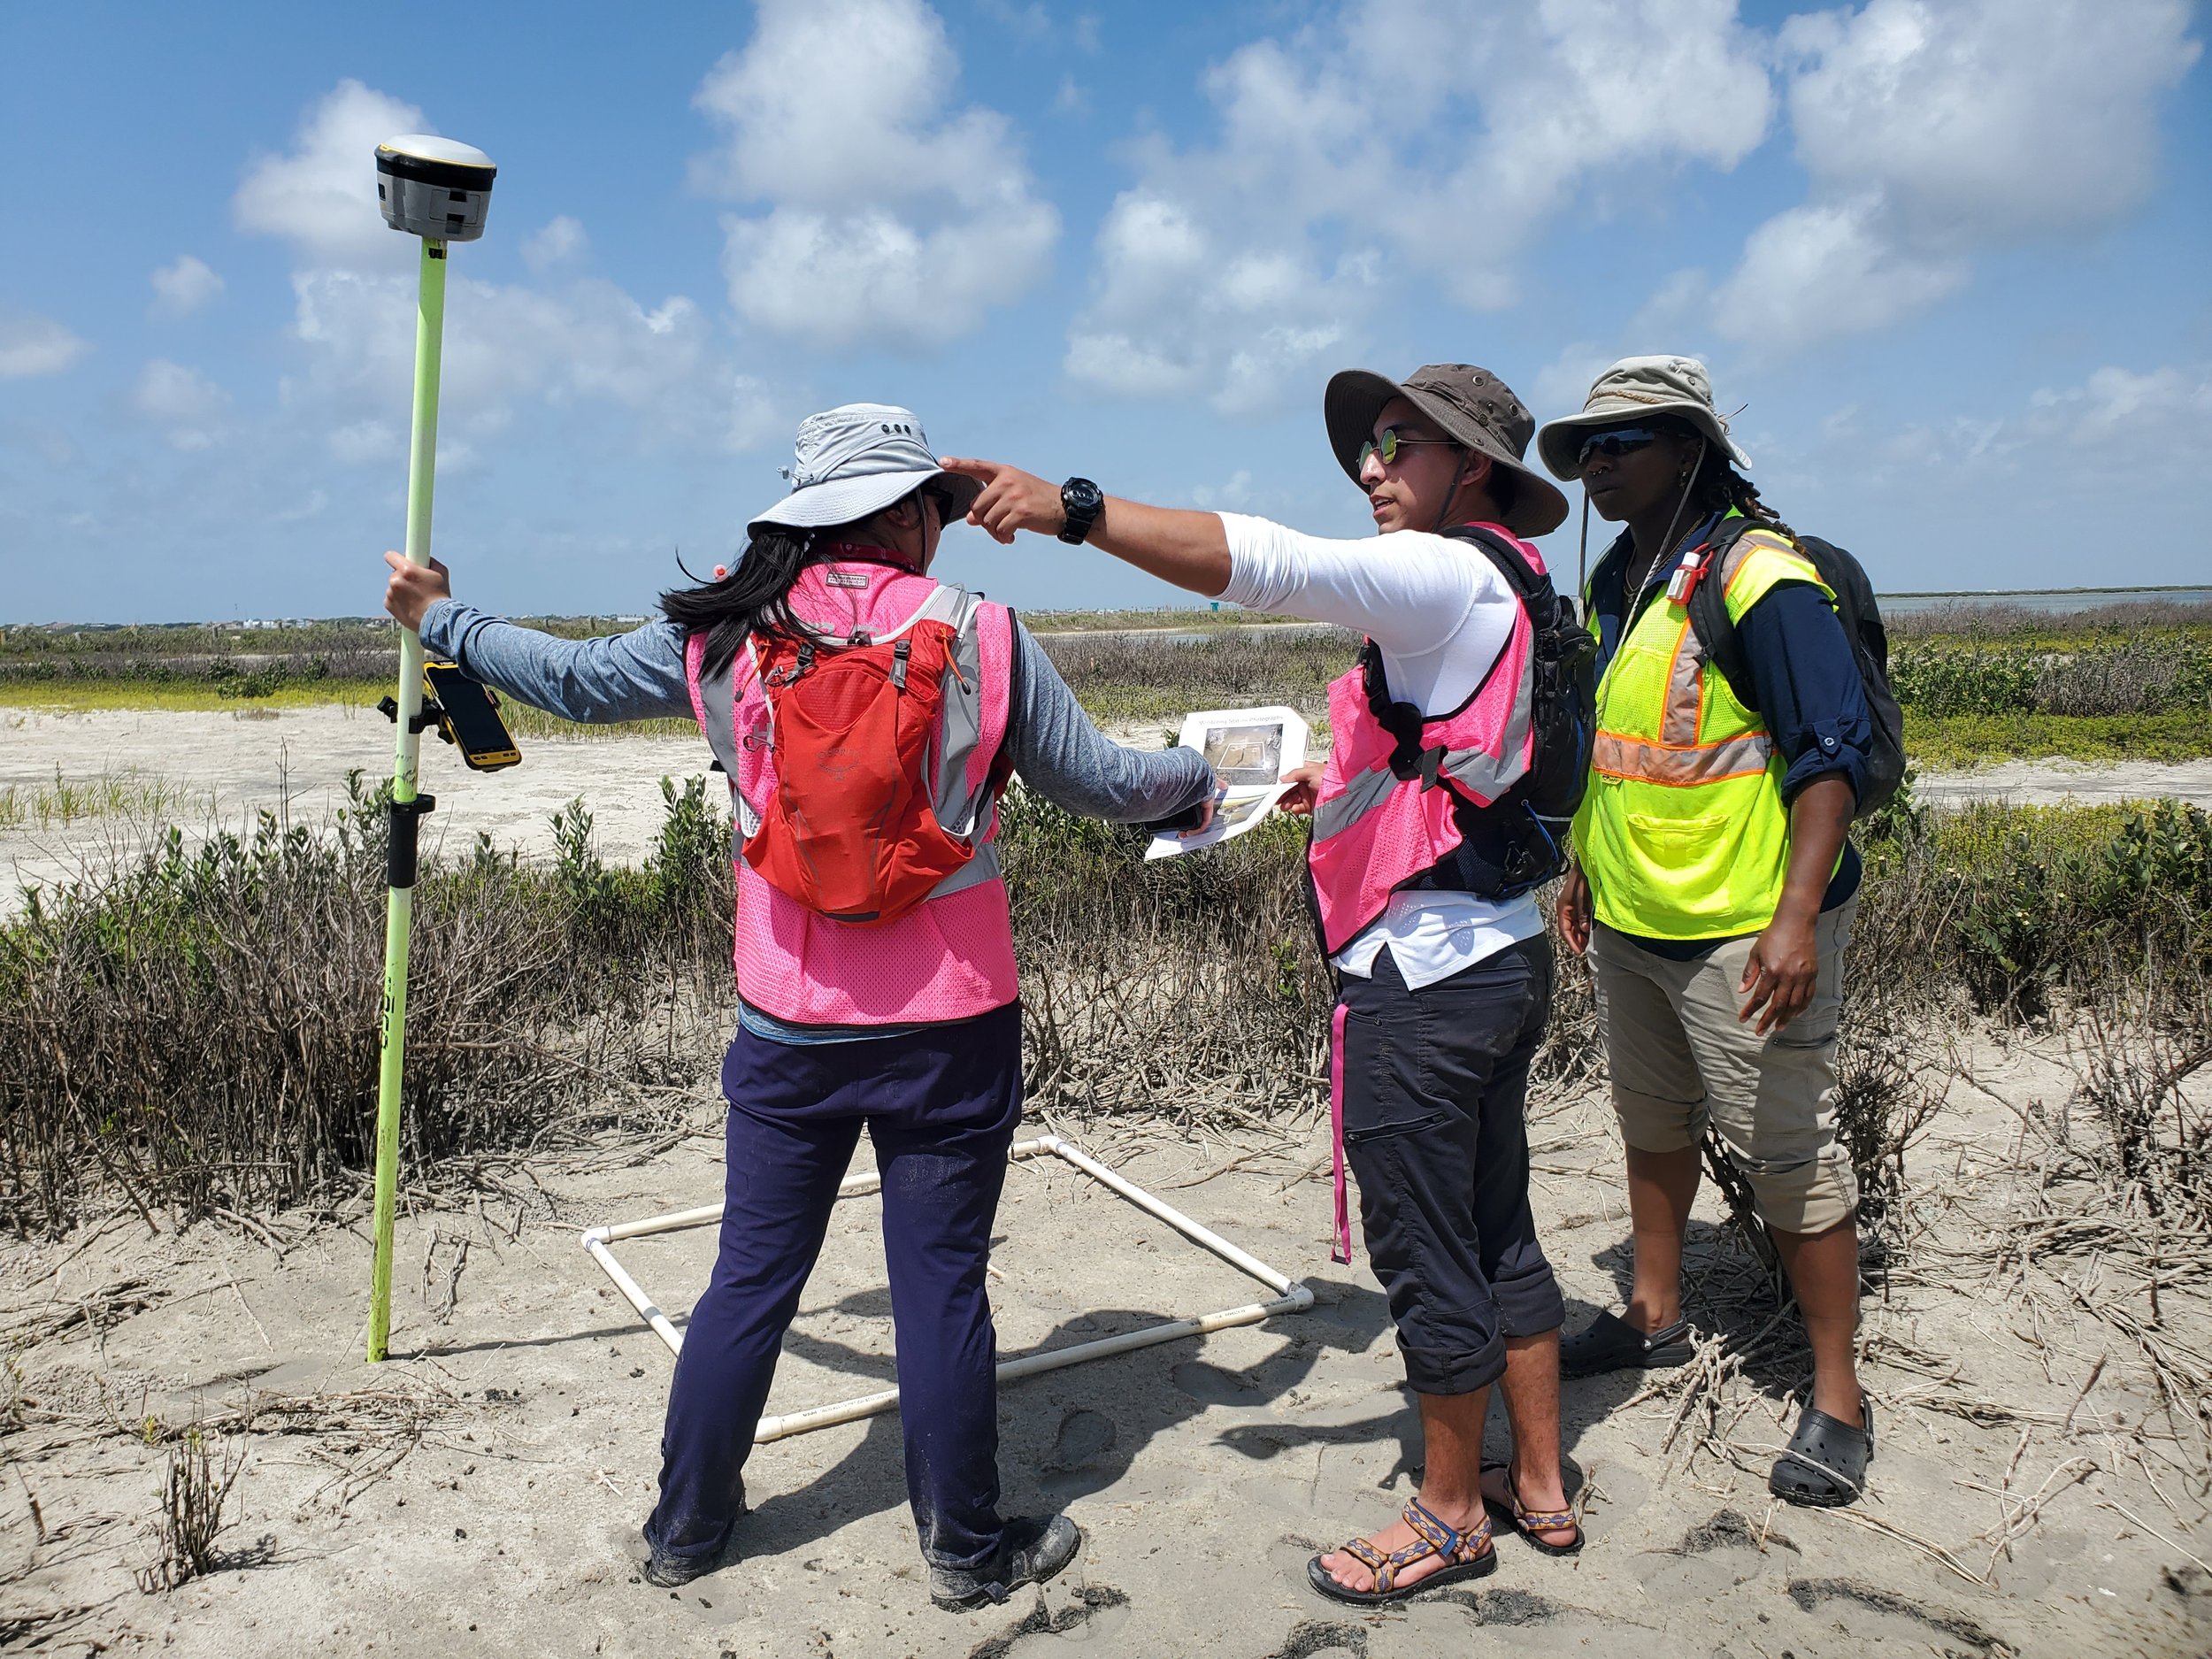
pixel 754 598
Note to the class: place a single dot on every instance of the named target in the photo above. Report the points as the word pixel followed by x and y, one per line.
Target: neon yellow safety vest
pixel 1683 834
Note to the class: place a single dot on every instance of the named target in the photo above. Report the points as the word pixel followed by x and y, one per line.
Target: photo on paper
pixel 1249 751
pixel 1245 754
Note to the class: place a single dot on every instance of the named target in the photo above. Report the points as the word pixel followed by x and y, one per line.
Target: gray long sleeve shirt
pixel 639 676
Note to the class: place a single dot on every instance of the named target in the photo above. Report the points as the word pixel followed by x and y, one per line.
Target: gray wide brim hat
pixel 851 462
pixel 1632 390
pixel 1470 406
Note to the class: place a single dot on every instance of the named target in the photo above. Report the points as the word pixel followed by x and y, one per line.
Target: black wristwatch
pixel 1084 503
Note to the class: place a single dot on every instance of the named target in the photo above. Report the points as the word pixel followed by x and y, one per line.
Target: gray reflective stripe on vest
pixel 960 730
pixel 982 868
pixel 717 695
pixel 1488 775
pixel 1475 770
pixel 1361 796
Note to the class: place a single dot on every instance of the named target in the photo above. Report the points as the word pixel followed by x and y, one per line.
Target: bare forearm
pixel 1190 549
pixel 1820 817
pixel 1187 548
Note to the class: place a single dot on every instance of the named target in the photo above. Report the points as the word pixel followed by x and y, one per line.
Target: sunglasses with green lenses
pixel 1388 443
pixel 1616 443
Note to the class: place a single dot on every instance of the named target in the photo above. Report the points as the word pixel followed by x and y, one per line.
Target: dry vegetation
pixel 191 1035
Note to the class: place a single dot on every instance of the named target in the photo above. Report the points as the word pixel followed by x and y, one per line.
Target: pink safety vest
pixel 952 956
pixel 1375 831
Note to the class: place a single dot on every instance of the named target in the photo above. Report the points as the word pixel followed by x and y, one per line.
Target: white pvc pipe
pixel 635 1291
pixel 1032 1364
pixel 1292 1298
pixel 1243 1262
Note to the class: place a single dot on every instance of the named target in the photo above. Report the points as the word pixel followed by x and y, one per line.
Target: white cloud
pixel 1428 145
pixel 1932 132
pixel 887 217
pixel 2164 416
pixel 182 402
pixel 184 287
pixel 321 195
pixel 560 241
pixel 35 345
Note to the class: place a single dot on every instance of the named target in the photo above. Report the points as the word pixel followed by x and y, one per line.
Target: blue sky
pixel 1948 258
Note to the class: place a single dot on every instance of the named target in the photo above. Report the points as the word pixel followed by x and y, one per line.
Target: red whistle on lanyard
pixel 1687 576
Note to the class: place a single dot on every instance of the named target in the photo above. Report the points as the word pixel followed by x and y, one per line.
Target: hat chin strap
pixel 1451 495
pixel 1666 542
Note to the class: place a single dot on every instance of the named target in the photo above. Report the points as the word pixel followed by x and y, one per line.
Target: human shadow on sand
pixel 1065 1435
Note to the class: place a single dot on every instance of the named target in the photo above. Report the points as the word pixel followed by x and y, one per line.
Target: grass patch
pixel 1193 621
pixel 131 793
pixel 1960 742
pixel 76 696
pixel 529 723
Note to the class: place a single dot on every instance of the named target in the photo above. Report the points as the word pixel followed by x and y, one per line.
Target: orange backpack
pixel 850 830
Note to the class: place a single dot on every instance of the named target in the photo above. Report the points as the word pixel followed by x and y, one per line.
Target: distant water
pixel 2076 599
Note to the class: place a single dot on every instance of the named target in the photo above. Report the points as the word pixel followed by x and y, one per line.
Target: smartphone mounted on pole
pixel 466 713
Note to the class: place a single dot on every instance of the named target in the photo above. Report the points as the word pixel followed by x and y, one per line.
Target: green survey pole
pixel 435 189
pixel 408 805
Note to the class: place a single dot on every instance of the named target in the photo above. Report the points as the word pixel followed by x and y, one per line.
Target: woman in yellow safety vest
pixel 1713 885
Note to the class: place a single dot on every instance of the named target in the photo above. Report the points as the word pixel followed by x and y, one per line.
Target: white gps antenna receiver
pixel 433 187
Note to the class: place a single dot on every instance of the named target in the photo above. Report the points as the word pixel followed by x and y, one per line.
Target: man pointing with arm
pixel 1423 875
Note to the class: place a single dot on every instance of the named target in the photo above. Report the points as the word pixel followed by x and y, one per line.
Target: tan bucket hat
pixel 1469 405
pixel 1632 389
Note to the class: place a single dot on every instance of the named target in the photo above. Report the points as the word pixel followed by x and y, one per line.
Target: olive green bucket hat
pixel 1469 405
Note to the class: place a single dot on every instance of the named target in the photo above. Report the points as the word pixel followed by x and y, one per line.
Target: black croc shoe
pixel 1609 1342
pixel 1032 1551
pixel 1825 1465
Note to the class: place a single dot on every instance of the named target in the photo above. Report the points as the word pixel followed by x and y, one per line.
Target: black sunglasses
pixel 1614 443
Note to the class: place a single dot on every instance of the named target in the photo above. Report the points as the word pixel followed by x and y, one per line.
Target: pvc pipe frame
pixel 422 466
pixel 1289 1298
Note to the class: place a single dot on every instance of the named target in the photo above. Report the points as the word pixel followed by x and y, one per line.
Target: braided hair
pixel 1718 487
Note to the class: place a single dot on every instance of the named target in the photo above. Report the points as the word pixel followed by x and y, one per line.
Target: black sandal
pixel 1468 1555
pixel 1527 1522
pixel 1609 1342
pixel 1825 1465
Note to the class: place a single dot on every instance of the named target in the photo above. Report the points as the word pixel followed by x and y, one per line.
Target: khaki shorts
pixel 1680 1058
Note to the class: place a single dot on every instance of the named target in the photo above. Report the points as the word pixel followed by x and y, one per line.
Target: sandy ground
pixel 479 1493
pixel 229 765
pixel 2035 782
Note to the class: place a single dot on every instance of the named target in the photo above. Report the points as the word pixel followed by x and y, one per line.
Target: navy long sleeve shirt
pixel 1802 672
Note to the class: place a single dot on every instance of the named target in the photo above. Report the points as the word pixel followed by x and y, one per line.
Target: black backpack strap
pixel 1512 563
pixel 1715 628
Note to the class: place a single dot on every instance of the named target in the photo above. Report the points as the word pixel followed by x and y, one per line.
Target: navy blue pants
pixel 940 1106
pixel 1435 1085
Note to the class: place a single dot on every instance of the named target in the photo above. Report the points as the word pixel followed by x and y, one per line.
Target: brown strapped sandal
pixel 1527 1522
pixel 1467 1555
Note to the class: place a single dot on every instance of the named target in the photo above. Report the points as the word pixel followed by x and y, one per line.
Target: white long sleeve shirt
pixel 1440 614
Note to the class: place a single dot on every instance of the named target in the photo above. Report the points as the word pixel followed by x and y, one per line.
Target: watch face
pixel 1081 496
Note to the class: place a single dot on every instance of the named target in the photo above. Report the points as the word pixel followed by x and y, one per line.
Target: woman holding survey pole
pixel 1423 863
pixel 867 718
